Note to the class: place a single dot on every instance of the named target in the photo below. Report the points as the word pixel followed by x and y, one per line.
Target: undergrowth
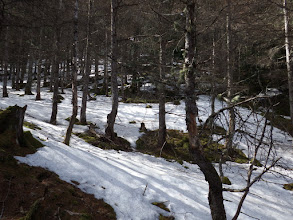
pixel 176 148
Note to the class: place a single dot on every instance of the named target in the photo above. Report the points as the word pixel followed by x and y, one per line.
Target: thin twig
pixel 146 186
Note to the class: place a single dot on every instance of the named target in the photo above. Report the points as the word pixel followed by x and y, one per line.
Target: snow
pixel 131 181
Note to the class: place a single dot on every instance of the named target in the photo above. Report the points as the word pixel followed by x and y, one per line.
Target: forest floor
pixel 28 192
pixel 135 184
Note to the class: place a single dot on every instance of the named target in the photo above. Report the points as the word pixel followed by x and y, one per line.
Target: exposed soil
pixel 35 193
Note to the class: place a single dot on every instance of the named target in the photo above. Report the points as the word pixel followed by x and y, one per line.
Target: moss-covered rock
pixel 288 186
pixel 105 143
pixel 161 205
pixel 225 180
pixel 59 98
pixel 161 217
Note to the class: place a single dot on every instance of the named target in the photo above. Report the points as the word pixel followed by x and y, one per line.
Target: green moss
pixel 33 210
pixel 77 122
pixel 225 180
pixel 85 216
pixel 256 163
pixel 105 143
pixel 161 205
pixel 140 100
pixel 177 148
pixel 132 122
pixel 60 98
pixel 288 186
pixel 161 217
pixel 280 122
pixel 30 142
pixel 31 126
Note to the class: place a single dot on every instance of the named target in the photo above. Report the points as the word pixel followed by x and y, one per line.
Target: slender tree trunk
pixel 215 185
pixel 213 92
pixel 74 77
pixel 17 72
pixel 5 93
pixel 28 86
pixel 114 85
pixel 87 68
pixel 62 73
pixel 96 74
pixel 55 77
pixel 106 77
pixel 38 90
pixel 19 60
pixel 46 72
pixel 23 70
pixel 289 63
pixel 162 99
pixel 230 81
pixel 122 83
pixel 12 73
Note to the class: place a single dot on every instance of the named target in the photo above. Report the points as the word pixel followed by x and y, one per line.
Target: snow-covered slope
pixel 130 182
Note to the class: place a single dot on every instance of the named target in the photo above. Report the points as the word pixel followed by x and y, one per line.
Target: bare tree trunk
pixel 28 86
pixel 38 90
pixel 38 96
pixel 96 74
pixel 215 185
pixel 19 60
pixel 12 73
pixel 213 92
pixel 46 72
pixel 87 68
pixel 105 82
pixel 230 81
pixel 55 78
pixel 114 85
pixel 162 99
pixel 74 77
pixel 5 93
pixel 288 58
pixel 17 72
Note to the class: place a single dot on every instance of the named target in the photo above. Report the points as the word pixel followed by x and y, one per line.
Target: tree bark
pixel 162 98
pixel 114 84
pixel 5 92
pixel 87 70
pixel 28 86
pixel 215 185
pixel 11 120
pixel 39 62
pixel 105 82
pixel 55 77
pixel 230 81
pixel 74 77
pixel 289 63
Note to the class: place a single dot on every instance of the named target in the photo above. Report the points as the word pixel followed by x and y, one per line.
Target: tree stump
pixel 142 127
pixel 11 126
